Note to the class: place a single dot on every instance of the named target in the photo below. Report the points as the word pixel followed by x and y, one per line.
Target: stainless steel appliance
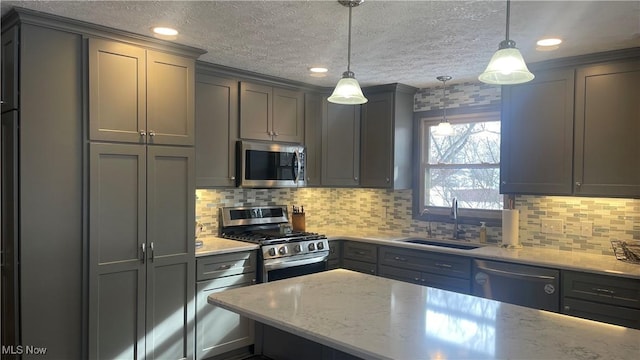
pixel 283 253
pixel 269 165
pixel 529 286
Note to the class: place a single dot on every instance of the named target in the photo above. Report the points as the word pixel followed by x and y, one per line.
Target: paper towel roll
pixel 510 234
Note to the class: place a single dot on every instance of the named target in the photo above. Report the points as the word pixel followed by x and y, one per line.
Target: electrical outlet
pixel 586 228
pixel 551 226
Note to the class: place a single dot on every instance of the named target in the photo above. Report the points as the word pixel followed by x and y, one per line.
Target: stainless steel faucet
pixel 454 215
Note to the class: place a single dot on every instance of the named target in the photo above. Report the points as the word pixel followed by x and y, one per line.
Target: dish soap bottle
pixel 483 232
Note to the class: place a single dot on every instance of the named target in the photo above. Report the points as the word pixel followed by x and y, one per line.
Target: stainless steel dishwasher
pixel 529 286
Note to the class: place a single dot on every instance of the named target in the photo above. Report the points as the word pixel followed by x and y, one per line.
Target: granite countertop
pixel 378 318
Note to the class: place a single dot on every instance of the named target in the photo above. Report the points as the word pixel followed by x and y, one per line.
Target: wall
pixel 390 211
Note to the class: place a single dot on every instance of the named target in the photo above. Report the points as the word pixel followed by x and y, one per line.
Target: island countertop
pixel 378 318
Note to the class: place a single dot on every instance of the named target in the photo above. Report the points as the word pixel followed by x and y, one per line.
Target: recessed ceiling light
pixel 165 31
pixel 549 42
pixel 318 69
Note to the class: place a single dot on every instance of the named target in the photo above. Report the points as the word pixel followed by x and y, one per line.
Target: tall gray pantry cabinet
pixel 83 207
pixel 141 202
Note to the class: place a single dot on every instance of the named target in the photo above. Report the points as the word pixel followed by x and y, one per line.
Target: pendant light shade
pixel 444 128
pixel 507 67
pixel 348 90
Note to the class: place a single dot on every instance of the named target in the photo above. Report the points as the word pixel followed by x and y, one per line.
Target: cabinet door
pixel 219 330
pixel 376 162
pixel 255 111
pixel 288 115
pixel 117 265
pixel 313 138
pixel 117 92
pixel 217 131
pixel 536 149
pixel 171 252
pixel 170 99
pixel 607 153
pixel 9 68
pixel 340 144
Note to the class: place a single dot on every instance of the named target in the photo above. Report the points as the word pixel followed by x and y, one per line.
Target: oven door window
pixel 270 165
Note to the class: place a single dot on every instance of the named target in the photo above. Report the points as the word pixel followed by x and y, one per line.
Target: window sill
pixel 465 216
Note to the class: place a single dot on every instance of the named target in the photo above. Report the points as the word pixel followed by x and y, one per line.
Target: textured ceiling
pixel 409 42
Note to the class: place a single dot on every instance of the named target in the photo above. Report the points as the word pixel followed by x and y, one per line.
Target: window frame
pixel 422 121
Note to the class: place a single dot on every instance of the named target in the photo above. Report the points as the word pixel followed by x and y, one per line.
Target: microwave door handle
pixel 296 159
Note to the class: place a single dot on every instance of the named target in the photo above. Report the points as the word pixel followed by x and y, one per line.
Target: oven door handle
pixel 286 263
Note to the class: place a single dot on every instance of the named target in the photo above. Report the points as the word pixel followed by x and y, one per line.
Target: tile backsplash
pixel 390 211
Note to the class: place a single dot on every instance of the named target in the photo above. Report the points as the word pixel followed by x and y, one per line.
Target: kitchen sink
pixel 442 243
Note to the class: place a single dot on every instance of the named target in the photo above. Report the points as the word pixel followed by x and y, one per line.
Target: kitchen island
pixel 378 318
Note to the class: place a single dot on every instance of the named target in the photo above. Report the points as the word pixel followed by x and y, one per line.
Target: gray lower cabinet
pixel 216 130
pixel 335 254
pixel 141 251
pixel 443 271
pixel 221 333
pixel 340 144
pixel 359 256
pixel 610 299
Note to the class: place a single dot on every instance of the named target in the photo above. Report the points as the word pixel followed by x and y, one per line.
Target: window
pixel 465 166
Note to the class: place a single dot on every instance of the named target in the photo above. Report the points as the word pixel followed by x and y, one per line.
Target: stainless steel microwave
pixel 269 165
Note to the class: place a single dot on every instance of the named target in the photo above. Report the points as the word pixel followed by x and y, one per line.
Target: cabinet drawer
pixel 442 264
pixel 602 288
pixel 217 266
pixel 395 273
pixel 360 251
pixel 426 279
pixel 360 266
pixel 602 312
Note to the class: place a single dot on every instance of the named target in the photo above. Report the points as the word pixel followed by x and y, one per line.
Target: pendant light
pixel 507 67
pixel 348 90
pixel 444 128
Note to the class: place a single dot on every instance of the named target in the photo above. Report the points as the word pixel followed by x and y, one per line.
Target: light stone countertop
pixel 378 318
pixel 559 259
pixel 213 245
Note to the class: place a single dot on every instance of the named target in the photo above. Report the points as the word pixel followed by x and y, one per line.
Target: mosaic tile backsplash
pixel 390 211
pixel 456 96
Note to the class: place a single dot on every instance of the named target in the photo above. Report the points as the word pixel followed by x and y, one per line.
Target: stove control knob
pixel 282 250
pixel 312 246
pixel 320 246
pixel 297 248
pixel 272 252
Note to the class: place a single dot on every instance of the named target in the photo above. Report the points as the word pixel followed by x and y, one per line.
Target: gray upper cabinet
pixel 141 257
pixel 217 130
pixel 537 135
pixel 607 145
pixel 138 95
pixel 313 138
pixel 271 113
pixel 386 137
pixel 340 144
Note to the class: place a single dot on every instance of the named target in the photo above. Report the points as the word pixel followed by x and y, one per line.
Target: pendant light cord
pixel 508 16
pixel 444 105
pixel 349 44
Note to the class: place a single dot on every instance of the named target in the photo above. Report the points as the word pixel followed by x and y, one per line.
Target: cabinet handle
pixel 270 133
pixel 416 279
pixel 152 133
pixel 233 178
pixel 398 258
pixel 578 184
pixel 143 246
pixel 143 133
pixel 603 291
pixel 504 183
pixel 361 253
pixel 442 265
pixel 355 178
pixel 387 180
pixel 275 133
pixel 567 308
pixel 224 267
pixel 372 271
pixel 153 253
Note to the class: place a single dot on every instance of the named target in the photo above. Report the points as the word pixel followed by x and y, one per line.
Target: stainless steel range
pixel 283 253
